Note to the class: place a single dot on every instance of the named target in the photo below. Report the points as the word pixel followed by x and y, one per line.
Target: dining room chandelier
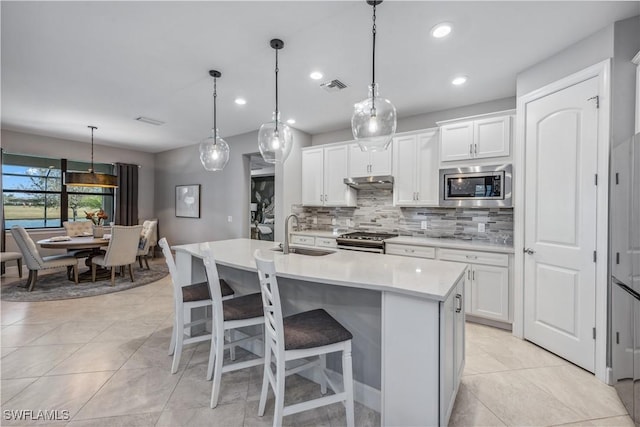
pixel 275 138
pixel 90 178
pixel 214 151
pixel 374 120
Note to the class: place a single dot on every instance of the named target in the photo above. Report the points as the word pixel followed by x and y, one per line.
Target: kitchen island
pixel 404 313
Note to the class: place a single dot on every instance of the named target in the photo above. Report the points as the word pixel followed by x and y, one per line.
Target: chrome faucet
pixel 285 246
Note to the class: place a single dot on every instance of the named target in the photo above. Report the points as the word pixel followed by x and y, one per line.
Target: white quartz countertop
pixel 412 276
pixel 478 245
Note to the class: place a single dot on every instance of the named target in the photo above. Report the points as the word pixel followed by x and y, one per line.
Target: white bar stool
pixel 302 335
pixel 229 315
pixel 186 298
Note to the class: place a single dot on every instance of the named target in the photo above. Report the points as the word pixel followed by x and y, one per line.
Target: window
pixel 34 195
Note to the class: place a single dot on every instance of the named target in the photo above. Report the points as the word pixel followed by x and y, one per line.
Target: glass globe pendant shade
pixel 374 122
pixel 214 152
pixel 275 140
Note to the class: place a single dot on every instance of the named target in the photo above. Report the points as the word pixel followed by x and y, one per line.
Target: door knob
pixel 529 251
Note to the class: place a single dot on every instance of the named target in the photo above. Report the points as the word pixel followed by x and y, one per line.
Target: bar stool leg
pixel 323 369
pixel 265 380
pixel 279 390
pixel 347 378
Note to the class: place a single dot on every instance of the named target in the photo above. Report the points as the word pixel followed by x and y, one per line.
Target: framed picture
pixel 188 201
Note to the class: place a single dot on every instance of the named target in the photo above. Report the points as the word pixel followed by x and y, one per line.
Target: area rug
pixel 56 286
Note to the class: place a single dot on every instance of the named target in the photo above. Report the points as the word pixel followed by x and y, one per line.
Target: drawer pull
pixel 459 307
pixel 472 257
pixel 409 251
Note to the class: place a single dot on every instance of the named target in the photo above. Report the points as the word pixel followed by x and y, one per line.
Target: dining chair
pixel 229 315
pixel 121 252
pixel 187 297
pixel 146 238
pixel 12 256
pixel 35 262
pixel 300 336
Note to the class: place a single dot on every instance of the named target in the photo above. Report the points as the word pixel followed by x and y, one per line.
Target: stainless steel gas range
pixel 364 241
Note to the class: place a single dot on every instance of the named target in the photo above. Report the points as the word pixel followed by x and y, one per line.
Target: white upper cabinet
pixel 477 138
pixel 415 162
pixel 323 172
pixel 366 163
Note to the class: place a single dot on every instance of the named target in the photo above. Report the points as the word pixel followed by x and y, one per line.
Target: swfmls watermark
pixel 36 415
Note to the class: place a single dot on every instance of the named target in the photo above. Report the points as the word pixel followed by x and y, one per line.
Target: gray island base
pixel 405 315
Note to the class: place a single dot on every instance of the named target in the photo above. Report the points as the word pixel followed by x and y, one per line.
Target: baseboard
pixel 488 322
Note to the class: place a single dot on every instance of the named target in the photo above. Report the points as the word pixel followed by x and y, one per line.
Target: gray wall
pixel 223 194
pixel 424 121
pixel 619 41
pixel 36 145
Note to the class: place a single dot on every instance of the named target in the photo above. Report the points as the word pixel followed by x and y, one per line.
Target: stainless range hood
pixel 383 182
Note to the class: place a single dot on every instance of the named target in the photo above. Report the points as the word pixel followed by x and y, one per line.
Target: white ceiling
pixel 66 65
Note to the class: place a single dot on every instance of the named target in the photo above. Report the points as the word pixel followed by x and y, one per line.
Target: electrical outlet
pixel 348 222
pixel 481 227
pixel 423 225
pixel 334 221
pixel 315 220
pixel 229 218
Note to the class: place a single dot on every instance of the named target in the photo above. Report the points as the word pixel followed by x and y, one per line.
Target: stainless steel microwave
pixel 476 186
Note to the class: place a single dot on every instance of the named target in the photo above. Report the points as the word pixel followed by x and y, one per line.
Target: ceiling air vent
pixel 333 86
pixel 150 121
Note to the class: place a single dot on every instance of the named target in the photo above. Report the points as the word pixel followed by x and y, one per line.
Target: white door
pixel 404 158
pixel 335 171
pixel 312 177
pixel 560 222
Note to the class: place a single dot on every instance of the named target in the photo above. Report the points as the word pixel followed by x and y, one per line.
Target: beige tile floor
pixel 104 359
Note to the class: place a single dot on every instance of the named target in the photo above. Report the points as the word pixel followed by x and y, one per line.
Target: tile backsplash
pixel 375 212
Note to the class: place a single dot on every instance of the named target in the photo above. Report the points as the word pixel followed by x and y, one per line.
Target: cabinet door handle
pixel 473 275
pixel 321 198
pixel 459 307
pixel 417 195
pixel 468 274
pixel 475 149
pixel 470 150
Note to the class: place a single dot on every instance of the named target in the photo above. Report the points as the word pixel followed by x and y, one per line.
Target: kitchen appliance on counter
pixel 363 241
pixel 624 265
pixel 476 186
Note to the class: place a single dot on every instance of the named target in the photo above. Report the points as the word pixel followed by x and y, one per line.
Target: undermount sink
pixel 305 251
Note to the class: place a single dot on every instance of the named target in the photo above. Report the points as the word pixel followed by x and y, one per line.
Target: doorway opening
pixel 262 203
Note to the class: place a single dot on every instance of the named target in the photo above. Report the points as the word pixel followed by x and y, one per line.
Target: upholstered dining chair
pixel 121 252
pixel 12 256
pixel 305 335
pixel 146 238
pixel 187 297
pixel 35 262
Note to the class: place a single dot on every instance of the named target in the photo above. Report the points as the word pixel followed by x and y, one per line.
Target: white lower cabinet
pixel 452 349
pixel 487 287
pixel 488 282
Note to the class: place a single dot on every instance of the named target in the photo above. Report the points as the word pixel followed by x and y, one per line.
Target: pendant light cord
pixel 276 118
pixel 215 95
pixel 373 32
pixel 92 129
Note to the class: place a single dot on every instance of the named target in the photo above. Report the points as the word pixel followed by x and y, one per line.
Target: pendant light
pixel 90 178
pixel 214 151
pixel 374 120
pixel 275 138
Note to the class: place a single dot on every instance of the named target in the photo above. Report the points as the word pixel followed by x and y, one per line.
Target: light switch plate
pixel 481 227
pixel 334 221
pixel 229 218
pixel 423 225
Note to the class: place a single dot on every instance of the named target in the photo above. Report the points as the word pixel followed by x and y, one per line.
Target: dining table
pixel 90 243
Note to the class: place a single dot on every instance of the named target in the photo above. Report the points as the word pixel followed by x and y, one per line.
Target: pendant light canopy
pixel 214 151
pixel 275 138
pixel 90 178
pixel 374 120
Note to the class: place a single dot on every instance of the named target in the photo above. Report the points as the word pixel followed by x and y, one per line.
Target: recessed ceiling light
pixel 316 75
pixel 291 121
pixel 441 30
pixel 460 80
pixel 240 101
